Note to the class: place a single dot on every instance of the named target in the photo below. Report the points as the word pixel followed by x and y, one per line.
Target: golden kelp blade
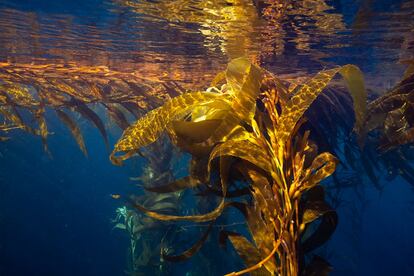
pixel 322 166
pixel 74 129
pixel 245 80
pixel 195 132
pixel 147 129
pixel 300 102
pixel 355 82
pixel 244 150
pixel 246 250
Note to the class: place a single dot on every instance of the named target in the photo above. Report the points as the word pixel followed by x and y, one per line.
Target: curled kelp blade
pixel 148 128
pixel 212 215
pixel 246 150
pixel 245 80
pixel 192 250
pixel 74 129
pixel 195 132
pixel 308 92
pixel 322 166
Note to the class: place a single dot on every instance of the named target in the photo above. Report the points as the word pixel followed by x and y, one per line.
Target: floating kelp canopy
pixel 73 88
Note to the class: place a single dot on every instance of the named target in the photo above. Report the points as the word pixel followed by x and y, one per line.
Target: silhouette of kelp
pixel 250 128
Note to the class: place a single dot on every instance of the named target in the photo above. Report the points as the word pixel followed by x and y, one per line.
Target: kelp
pixel 37 88
pixel 266 145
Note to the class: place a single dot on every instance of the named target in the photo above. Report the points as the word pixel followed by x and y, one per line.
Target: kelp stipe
pixel 269 150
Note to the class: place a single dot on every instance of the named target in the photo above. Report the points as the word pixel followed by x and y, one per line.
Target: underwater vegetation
pixel 248 127
pixel 255 143
pixel 27 91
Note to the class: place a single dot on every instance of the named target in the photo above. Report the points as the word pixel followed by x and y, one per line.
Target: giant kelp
pixel 70 90
pixel 227 130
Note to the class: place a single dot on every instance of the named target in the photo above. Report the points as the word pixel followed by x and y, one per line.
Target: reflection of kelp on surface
pixel 244 27
pixel 262 144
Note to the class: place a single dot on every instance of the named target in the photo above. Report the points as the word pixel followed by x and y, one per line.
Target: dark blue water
pixel 56 212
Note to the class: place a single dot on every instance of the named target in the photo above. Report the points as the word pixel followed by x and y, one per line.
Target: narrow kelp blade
pixel 192 250
pixel 74 129
pixel 90 115
pixel 300 102
pixel 246 150
pixel 246 250
pixel 148 128
pixel 42 131
pixel 117 115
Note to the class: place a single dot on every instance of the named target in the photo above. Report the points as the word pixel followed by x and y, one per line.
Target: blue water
pixel 56 212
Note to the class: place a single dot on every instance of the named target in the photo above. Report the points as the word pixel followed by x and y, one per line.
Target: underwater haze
pixel 93 184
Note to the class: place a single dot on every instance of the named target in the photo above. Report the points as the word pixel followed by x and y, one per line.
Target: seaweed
pixel 268 147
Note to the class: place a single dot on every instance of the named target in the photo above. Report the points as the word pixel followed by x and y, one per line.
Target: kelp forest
pixel 235 166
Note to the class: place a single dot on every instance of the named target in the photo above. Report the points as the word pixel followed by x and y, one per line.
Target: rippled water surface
pixel 187 40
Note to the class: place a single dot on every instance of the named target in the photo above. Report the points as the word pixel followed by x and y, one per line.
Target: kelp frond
pixel 265 145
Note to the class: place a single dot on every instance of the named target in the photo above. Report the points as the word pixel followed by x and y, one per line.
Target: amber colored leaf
pixel 246 250
pixel 148 128
pixel 245 79
pixel 245 150
pixel 322 166
pixel 300 102
pixel 191 251
pixel 74 129
pixel 195 132
pixel 2 139
pixel 314 210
